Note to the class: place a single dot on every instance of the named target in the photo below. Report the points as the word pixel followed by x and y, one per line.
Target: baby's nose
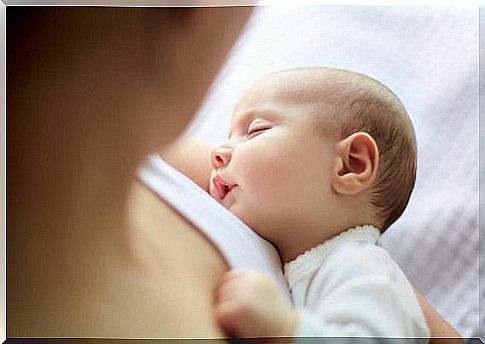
pixel 221 156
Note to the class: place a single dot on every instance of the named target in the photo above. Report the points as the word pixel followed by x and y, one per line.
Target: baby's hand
pixel 249 304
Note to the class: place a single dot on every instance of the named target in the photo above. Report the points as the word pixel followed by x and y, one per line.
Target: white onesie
pixel 349 286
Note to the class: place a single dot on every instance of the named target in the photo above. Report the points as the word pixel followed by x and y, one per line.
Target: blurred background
pixel 429 56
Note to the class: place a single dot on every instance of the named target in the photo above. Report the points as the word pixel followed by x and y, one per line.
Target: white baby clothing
pixel 238 244
pixel 347 286
pixel 350 287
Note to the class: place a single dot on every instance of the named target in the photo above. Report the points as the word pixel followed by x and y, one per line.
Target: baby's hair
pixel 350 102
pixel 376 110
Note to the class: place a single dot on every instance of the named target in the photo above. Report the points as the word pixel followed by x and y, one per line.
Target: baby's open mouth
pixel 222 187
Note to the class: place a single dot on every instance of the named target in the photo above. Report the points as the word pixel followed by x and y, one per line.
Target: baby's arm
pixel 191 157
pixel 360 291
pixel 249 304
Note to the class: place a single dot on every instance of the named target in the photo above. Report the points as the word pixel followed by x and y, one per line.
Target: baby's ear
pixel 356 166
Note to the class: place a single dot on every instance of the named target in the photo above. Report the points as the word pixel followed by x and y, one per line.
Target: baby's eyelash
pixel 252 131
pixel 258 130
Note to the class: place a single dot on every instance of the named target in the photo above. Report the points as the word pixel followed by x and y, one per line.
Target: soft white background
pixel 429 57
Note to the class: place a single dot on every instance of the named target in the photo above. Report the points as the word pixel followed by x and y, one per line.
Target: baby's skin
pixel 293 186
pixel 249 304
pixel 277 174
pixel 272 157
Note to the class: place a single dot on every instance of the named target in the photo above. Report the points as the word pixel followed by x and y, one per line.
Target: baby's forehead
pixel 313 85
pixel 283 88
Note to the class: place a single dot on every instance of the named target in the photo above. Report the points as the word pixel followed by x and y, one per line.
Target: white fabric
pixel 239 245
pixel 429 57
pixel 348 286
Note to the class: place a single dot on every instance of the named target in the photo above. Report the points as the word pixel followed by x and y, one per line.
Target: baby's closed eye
pixel 258 127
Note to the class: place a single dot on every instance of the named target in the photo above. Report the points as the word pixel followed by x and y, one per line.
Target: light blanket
pixel 429 57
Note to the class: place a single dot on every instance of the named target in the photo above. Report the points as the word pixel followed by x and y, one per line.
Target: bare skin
pixel 319 184
pixel 91 91
pixel 86 102
pixel 244 292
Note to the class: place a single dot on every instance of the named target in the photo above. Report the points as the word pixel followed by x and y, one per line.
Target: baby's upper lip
pixel 222 186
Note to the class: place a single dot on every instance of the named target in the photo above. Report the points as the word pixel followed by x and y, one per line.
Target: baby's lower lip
pixel 228 198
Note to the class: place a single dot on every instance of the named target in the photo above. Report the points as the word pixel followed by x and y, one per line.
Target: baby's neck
pixel 294 248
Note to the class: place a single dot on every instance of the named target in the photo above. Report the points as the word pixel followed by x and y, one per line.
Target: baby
pixel 319 162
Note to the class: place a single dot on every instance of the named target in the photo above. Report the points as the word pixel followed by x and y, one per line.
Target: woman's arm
pixel 441 331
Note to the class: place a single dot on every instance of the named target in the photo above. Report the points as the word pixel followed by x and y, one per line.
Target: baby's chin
pixel 225 202
pixel 237 208
pixel 258 222
pixel 246 216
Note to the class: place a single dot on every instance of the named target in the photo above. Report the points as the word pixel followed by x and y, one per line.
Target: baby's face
pixel 274 170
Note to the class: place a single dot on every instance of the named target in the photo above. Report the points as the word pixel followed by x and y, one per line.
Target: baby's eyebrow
pixel 239 121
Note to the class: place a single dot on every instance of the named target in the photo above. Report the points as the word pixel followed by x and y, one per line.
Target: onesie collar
pixel 313 258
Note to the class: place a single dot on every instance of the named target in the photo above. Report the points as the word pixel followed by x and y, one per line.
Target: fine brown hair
pixel 363 104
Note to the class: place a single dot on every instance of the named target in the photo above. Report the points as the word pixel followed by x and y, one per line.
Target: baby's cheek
pixel 273 187
pixel 267 177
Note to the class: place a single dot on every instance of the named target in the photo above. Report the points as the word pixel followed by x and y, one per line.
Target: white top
pixel 349 286
pixel 238 244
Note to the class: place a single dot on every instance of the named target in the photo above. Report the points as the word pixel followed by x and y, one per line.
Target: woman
pixel 92 252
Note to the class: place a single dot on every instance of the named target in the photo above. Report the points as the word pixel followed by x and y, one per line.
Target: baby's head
pixel 312 152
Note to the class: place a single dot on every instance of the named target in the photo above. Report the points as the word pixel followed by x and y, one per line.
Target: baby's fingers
pixel 225 279
pixel 228 315
pixel 224 292
pixel 229 289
